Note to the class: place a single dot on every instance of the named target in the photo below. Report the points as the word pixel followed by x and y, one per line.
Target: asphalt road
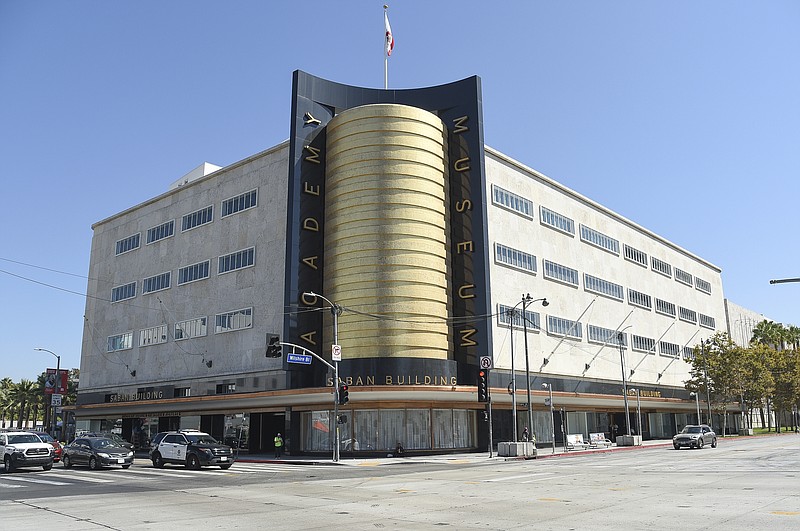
pixel 744 483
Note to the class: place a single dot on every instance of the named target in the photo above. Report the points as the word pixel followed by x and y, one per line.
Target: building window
pixel 561 273
pixel 236 320
pixel 153 336
pixel 226 389
pixel 513 202
pixel 156 283
pixel 128 244
pixel 514 258
pixel 665 308
pixel 685 314
pixel 669 349
pixel 182 392
pixel 556 221
pixel 197 218
pixel 120 342
pixel 702 285
pixel 688 353
pixel 707 321
pixel 237 260
pixel 643 344
pixel 637 298
pixel 660 266
pixel 603 287
pixel 165 230
pixel 239 203
pixel 558 326
pixel 598 239
pixel 635 255
pixel 193 272
pixel 191 328
pixel 606 336
pixel 683 277
pixel 120 293
pixel 533 322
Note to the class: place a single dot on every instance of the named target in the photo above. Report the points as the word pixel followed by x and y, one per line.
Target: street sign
pixel 303 359
pixel 56 400
pixel 336 352
pixel 486 362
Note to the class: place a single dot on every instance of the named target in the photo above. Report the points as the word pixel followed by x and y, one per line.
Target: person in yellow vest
pixel 278 445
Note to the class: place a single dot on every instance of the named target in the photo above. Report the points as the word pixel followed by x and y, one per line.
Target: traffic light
pixel 483 385
pixel 344 396
pixel 274 347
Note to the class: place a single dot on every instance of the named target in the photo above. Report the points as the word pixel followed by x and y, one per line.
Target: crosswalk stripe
pixel 4 486
pixel 509 478
pixel 42 481
pixel 156 472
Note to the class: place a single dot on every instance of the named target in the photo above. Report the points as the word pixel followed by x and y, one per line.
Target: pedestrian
pixel 278 446
pixel 525 434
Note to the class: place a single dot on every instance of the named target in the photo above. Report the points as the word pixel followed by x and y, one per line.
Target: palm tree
pixel 769 333
pixel 6 404
pixel 793 336
pixel 22 394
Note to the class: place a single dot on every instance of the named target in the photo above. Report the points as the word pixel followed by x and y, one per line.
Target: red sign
pixel 55 383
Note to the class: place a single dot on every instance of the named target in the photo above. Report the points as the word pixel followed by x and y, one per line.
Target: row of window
pixel 189 221
pixel 566 275
pixel 191 273
pixel 594 237
pixel 558 326
pixel 197 327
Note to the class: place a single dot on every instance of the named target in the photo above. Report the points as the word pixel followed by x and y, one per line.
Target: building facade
pixel 386 208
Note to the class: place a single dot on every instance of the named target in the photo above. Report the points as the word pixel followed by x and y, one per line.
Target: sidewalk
pixel 473 457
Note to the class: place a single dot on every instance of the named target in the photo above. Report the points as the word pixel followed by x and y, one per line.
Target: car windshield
pixel 46 437
pixel 23 438
pixel 103 443
pixel 692 429
pixel 201 439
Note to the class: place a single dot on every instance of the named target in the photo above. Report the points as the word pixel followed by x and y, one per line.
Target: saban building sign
pixel 315 102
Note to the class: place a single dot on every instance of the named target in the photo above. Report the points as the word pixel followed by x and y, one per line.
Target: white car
pixel 20 449
pixel 695 436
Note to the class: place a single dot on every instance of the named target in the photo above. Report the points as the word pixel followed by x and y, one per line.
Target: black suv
pixel 192 448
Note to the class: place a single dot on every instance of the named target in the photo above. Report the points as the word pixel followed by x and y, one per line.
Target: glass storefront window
pixel 237 431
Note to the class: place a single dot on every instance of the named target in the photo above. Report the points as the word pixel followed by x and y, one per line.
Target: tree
pixel 769 333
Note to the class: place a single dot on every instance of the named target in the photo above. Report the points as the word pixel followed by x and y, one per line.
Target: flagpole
pixel 385 54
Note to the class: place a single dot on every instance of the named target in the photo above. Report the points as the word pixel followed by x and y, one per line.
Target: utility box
pixel 517 449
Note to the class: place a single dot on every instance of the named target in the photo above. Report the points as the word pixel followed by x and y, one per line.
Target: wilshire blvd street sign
pixel 304 359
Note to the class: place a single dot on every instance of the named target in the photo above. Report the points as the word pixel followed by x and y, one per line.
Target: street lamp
pixel 697 403
pixel 527 299
pixel 705 376
pixel 58 387
pixel 549 387
pixel 638 413
pixel 336 311
pixel 624 383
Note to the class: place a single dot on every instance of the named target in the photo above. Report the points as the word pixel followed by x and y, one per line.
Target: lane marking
pixel 42 481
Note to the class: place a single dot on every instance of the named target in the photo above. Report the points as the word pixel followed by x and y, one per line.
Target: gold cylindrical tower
pixel 385 231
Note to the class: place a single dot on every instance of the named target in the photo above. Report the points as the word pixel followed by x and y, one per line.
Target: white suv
pixel 24 449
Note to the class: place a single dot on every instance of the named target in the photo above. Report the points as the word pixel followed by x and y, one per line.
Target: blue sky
pixel 682 116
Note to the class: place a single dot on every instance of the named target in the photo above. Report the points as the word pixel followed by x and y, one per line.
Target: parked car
pixel 191 448
pixel 695 436
pixel 57 448
pixel 96 452
pixel 110 435
pixel 24 449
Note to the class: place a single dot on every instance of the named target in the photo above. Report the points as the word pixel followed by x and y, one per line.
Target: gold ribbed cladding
pixel 385 231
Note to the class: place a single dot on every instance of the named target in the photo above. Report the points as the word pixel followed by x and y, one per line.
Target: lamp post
pixel 549 388
pixel 697 403
pixel 624 383
pixel 705 376
pixel 336 311
pixel 527 299
pixel 638 413
pixel 58 388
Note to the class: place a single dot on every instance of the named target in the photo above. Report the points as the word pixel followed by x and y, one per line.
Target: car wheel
pixel 47 466
pixel 676 446
pixel 158 461
pixel 714 442
pixel 700 443
pixel 8 466
pixel 193 462
pixel 126 466
pixel 67 462
pixel 225 467
pixel 94 464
